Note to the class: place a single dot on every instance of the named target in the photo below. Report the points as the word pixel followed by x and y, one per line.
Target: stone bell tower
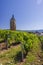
pixel 12 23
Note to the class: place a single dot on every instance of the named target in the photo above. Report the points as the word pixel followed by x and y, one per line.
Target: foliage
pixel 30 59
pixel 31 43
pixel 41 38
pixel 7 57
pixel 29 40
pixel 41 41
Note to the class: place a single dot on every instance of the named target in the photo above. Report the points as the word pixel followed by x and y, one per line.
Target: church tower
pixel 12 23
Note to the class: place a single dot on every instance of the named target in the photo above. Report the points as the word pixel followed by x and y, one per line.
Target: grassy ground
pixel 12 56
pixel 7 57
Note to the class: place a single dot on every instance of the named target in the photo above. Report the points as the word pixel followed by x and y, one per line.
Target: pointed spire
pixel 12 18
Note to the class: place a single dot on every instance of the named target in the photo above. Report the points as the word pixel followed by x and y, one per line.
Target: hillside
pixel 20 48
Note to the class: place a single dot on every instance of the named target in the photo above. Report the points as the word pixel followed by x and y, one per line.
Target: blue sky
pixel 28 14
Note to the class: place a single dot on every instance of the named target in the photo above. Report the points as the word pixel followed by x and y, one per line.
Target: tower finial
pixel 13 16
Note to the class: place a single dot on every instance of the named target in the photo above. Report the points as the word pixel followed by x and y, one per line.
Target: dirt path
pixel 21 63
pixel 16 47
pixel 5 50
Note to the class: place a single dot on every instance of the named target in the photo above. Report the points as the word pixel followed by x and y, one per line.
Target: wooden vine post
pixel 7 36
pixel 22 49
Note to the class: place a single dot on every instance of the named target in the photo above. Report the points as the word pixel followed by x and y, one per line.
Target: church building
pixel 12 23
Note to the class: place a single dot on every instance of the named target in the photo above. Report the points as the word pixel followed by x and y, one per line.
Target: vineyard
pixel 19 46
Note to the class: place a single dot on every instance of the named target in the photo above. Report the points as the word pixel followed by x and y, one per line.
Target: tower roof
pixel 12 18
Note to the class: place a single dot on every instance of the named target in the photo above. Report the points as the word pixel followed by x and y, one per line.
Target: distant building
pixel 41 33
pixel 12 23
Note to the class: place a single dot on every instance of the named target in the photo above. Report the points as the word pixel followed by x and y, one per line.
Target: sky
pixel 28 14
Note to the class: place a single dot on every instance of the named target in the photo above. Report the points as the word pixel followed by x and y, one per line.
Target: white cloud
pixel 39 2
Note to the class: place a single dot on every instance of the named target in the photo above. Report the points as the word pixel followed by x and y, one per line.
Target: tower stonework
pixel 12 23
